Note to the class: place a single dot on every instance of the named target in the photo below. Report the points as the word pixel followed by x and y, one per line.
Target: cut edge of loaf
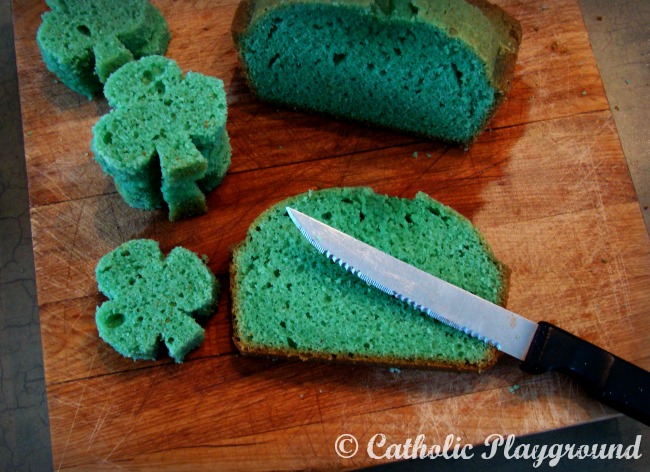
pixel 263 351
pixel 501 79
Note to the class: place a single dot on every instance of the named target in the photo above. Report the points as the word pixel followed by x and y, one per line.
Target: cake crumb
pixel 395 370
pixel 415 155
pixel 428 155
pixel 513 389
pixel 302 396
pixel 584 92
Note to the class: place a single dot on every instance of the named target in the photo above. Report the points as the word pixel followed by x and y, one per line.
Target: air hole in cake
pixel 457 73
pixel 273 29
pixel 83 29
pixel 338 58
pixel 273 59
pixel 115 320
pixel 108 138
pixel 160 87
pixel 147 77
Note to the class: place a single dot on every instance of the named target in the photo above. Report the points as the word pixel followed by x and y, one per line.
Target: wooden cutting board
pixel 547 184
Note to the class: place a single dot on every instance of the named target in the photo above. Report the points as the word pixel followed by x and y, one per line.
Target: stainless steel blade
pixel 449 304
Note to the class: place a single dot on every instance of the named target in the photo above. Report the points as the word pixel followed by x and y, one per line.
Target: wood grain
pixel 547 184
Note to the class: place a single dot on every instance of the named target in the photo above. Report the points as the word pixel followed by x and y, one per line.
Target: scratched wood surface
pixel 547 185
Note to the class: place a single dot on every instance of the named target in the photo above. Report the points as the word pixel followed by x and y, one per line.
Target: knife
pixel 541 347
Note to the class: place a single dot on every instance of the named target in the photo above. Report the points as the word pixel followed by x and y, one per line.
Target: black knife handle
pixel 606 377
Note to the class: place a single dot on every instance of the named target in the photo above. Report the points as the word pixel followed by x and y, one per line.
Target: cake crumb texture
pixel 289 300
pixel 154 301
pixel 436 68
pixel 84 41
pixel 165 141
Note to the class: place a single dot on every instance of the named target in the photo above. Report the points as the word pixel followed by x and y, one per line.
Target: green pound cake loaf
pixel 84 41
pixel 289 300
pixel 165 143
pixel 154 301
pixel 436 68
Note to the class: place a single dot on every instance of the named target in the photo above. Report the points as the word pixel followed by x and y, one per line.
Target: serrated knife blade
pixel 540 346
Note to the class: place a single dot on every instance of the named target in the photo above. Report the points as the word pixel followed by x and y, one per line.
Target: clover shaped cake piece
pixel 153 300
pixel 165 141
pixel 84 41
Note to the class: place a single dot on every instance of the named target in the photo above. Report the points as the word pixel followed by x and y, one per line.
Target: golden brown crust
pixel 504 67
pixel 254 350
pixel 242 20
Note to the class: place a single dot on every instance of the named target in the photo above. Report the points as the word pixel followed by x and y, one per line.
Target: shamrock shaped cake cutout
pixel 165 141
pixel 84 41
pixel 154 300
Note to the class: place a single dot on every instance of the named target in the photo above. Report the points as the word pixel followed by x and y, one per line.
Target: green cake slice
pixel 436 68
pixel 289 300
pixel 154 301
pixel 165 142
pixel 84 41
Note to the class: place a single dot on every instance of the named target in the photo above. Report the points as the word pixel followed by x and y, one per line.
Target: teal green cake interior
pixel 165 142
pixel 388 68
pixel 84 41
pixel 154 302
pixel 287 296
